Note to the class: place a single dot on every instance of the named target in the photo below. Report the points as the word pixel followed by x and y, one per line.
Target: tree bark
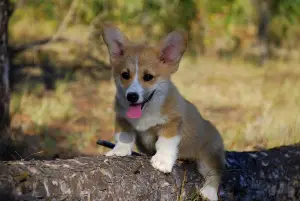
pixel 263 175
pixel 263 12
pixel 4 79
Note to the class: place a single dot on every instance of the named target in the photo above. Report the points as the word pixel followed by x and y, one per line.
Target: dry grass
pixel 251 106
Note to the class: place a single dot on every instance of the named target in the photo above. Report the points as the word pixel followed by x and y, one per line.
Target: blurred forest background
pixel 241 69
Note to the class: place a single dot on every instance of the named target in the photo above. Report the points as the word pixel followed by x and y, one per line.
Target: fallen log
pixel 265 175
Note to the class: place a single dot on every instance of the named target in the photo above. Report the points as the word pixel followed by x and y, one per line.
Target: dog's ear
pixel 115 41
pixel 172 47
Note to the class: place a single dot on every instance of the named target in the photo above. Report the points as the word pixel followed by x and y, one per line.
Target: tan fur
pixel 200 140
pixel 148 62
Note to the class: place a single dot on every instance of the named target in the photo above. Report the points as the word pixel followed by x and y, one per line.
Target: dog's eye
pixel 148 77
pixel 125 75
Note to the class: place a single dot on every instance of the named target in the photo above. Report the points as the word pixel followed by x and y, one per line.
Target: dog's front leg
pixel 125 139
pixel 167 147
pixel 124 144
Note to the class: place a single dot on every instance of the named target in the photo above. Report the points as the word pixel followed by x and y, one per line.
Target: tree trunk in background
pixel 263 25
pixel 269 175
pixel 4 79
pixel 262 8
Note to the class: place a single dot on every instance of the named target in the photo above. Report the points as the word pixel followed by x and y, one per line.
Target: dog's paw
pixel 120 151
pixel 162 162
pixel 209 193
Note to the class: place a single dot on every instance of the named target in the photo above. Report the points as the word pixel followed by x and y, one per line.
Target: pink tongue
pixel 134 111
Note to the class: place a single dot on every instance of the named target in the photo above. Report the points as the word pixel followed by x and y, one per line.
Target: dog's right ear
pixel 115 41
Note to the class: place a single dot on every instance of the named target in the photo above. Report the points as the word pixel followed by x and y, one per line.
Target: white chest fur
pixel 152 112
pixel 147 121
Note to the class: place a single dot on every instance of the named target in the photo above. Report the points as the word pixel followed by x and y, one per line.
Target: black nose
pixel 132 97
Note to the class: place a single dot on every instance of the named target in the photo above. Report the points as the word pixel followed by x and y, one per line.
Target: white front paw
pixel 209 193
pixel 163 163
pixel 120 151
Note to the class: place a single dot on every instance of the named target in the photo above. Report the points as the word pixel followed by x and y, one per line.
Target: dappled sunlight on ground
pixel 252 107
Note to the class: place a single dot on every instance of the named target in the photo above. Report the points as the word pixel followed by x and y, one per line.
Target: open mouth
pixel 135 110
pixel 145 101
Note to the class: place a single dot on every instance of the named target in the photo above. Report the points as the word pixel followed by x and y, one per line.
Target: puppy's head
pixel 139 69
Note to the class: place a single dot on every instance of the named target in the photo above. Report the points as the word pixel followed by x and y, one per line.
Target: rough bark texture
pixel 4 80
pixel 263 175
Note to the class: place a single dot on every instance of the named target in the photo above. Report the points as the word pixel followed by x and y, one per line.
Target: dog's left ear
pixel 172 47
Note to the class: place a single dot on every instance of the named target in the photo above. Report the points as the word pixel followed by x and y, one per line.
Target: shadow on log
pixel 261 175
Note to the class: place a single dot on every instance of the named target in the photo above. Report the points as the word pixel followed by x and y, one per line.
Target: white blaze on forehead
pixel 135 86
pixel 136 69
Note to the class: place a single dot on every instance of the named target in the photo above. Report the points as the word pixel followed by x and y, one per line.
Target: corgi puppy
pixel 151 113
